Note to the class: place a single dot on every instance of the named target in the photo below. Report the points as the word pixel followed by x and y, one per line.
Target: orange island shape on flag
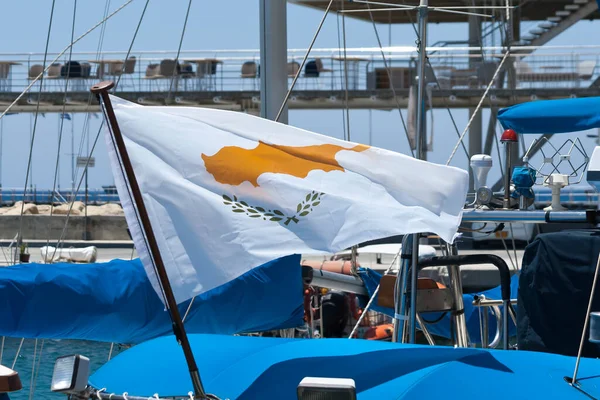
pixel 264 158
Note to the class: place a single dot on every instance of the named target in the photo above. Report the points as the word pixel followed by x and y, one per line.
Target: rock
pixel 63 209
pixel 78 205
pixel 106 209
pixel 28 208
pixel 77 209
pixel 44 208
pixel 112 209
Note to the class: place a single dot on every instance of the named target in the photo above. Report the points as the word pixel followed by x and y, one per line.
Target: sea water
pixel 39 358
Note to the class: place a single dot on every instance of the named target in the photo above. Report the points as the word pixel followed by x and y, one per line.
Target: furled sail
pixel 227 192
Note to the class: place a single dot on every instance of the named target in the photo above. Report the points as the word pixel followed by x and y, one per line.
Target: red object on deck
pixel 509 136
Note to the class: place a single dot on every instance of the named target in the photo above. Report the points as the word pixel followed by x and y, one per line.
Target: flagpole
pixel 101 91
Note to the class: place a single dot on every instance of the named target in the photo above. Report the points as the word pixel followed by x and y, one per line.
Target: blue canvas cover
pixel 439 323
pixel 238 367
pixel 115 302
pixel 552 116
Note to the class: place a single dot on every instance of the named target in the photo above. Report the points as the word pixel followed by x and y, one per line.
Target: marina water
pixel 97 352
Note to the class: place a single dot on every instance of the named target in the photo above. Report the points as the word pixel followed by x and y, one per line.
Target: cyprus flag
pixel 227 192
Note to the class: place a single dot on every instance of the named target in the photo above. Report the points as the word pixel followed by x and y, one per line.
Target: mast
pixel 420 154
pixel 101 91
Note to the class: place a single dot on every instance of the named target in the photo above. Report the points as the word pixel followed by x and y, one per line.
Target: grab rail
pixel 471 259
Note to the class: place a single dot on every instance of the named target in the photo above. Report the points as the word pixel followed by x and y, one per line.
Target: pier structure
pixel 230 79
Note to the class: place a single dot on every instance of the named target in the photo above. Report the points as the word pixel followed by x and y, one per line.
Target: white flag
pixel 227 192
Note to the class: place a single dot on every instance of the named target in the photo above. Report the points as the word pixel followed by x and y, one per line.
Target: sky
pixel 223 24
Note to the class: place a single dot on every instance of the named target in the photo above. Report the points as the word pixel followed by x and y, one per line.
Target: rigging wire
pixel 1 148
pixel 175 69
pixel 347 134
pixel 377 3
pixel 62 121
pixel 188 309
pixel 487 89
pixel 36 368
pixel 35 346
pixel 123 175
pixel 39 364
pixel 17 353
pixel 112 346
pixel 512 235
pixel 37 109
pixel 339 49
pixel 60 241
pixel 454 124
pixel 31 171
pixel 132 42
pixel 74 166
pixel 510 225
pixel 41 74
pixel 86 121
pixel 501 174
pixel 389 74
pixel 364 312
pixel 130 195
pixel 314 39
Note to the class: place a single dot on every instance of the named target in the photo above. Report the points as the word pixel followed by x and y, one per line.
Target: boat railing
pixel 239 70
pixel 481 302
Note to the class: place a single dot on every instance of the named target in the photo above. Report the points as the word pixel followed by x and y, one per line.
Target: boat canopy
pixel 115 302
pixel 552 116
pixel 242 367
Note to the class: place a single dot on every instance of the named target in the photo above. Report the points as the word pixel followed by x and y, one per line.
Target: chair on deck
pixel 292 69
pixel 126 68
pixel 314 68
pixel 152 73
pixel 34 71
pixel 249 71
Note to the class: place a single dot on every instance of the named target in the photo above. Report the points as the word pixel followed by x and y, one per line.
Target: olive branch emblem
pixel 303 208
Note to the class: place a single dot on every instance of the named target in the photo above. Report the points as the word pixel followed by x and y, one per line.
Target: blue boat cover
pixel 242 367
pixel 552 116
pixel 440 323
pixel 115 302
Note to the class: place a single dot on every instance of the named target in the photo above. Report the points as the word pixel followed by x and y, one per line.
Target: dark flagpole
pixel 101 91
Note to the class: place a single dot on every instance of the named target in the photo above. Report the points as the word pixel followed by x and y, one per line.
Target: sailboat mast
pixel 101 91
pixel 420 154
pixel 422 62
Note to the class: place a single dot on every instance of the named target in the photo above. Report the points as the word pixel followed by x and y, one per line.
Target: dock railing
pixel 239 70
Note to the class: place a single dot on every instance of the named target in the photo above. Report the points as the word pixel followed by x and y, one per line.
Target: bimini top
pixel 242 367
pixel 552 116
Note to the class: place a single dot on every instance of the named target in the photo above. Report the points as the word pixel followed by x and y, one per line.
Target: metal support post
pixel 475 130
pixel 460 323
pixel 273 59
pixel 400 304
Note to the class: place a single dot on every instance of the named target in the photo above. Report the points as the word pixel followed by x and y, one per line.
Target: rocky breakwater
pixel 78 208
pixel 44 221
